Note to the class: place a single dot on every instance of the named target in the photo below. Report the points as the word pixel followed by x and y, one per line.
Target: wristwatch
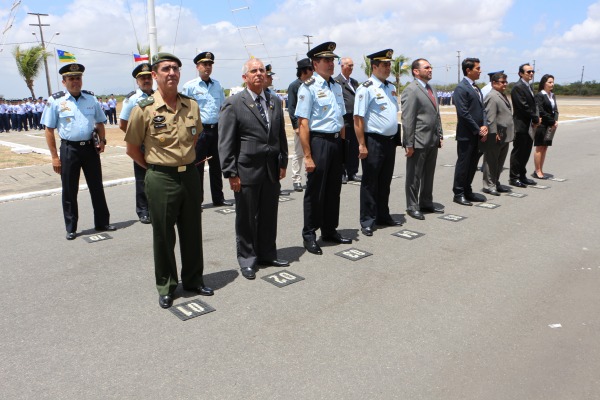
pixel 103 141
pixel 232 175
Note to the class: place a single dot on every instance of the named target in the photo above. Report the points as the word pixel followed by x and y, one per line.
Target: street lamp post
pixel 39 25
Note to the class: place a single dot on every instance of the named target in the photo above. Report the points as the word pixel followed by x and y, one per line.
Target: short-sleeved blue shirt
pixel 378 105
pixel 210 98
pixel 131 102
pixel 75 119
pixel 322 104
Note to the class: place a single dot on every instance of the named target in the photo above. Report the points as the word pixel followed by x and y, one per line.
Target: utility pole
pixel 458 67
pixel 308 42
pixel 581 81
pixel 39 25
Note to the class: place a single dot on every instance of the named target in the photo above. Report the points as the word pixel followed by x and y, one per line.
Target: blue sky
pixel 561 36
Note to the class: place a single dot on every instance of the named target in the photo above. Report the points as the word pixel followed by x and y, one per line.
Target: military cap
pixel 160 57
pixel 71 69
pixel 304 63
pixel 324 50
pixel 142 69
pixel 383 55
pixel 269 70
pixel 495 72
pixel 205 56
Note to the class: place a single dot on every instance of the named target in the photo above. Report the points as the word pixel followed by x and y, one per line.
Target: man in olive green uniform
pixel 168 124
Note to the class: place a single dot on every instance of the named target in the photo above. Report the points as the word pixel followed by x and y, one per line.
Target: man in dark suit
pixel 525 115
pixel 349 86
pixel 422 137
pixel 254 153
pixel 471 126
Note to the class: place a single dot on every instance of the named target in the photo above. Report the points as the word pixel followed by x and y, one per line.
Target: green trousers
pixel 174 198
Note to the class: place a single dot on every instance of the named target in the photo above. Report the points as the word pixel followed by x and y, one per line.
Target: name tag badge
pixel 158 126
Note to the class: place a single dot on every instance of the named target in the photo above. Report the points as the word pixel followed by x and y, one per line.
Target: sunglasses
pixel 529 72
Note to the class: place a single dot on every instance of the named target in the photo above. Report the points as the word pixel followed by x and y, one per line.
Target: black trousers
pixel 256 222
pixel 519 156
pixel 351 158
pixel 466 166
pixel 14 121
pixel 378 169
pixel 29 115
pixel 141 202
pixel 22 122
pixel 112 116
pixel 74 158
pixel 4 122
pixel 323 186
pixel 36 120
pixel 208 145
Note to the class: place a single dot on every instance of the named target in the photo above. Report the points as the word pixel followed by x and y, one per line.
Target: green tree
pixel 400 67
pixel 29 63
pixel 366 66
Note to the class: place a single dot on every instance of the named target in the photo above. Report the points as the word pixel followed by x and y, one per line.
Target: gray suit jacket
pixel 500 119
pixel 247 146
pixel 421 122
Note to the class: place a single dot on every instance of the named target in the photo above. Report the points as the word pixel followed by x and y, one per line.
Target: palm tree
pixel 366 66
pixel 29 62
pixel 400 67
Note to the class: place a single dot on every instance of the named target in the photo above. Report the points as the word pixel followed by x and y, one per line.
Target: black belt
pixel 210 126
pixel 169 170
pixel 325 135
pixel 73 143
pixel 379 136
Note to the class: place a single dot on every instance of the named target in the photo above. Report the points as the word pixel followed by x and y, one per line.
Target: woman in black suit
pixel 546 104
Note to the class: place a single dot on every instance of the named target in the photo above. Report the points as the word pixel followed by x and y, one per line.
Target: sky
pixel 560 37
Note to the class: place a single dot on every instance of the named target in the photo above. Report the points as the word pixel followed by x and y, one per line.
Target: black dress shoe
pixel 336 238
pixel 475 197
pixel 416 214
pixel 503 189
pixel 493 192
pixel 517 183
pixel 528 181
pixel 248 273
pixel 535 175
pixel 312 247
pixel 367 231
pixel 145 219
pixel 355 178
pixel 298 187
pixel 165 301
pixel 71 235
pixel 434 209
pixel 223 203
pixel 274 263
pixel 344 179
pixel 201 290
pixel 388 222
pixel 462 201
pixel 105 228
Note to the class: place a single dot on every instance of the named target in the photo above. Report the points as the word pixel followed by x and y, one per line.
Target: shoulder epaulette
pixel 185 96
pixel 146 102
pixel 129 94
pixel 367 83
pixel 88 92
pixel 58 95
pixel 309 81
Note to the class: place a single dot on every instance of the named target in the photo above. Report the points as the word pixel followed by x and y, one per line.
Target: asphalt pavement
pixel 501 304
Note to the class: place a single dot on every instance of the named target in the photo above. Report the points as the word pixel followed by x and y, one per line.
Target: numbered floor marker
pixel 98 237
pixel 190 309
pixel 408 235
pixel 284 199
pixel 282 278
pixel 226 211
pixel 448 165
pixel 452 217
pixel 353 254
pixel 354 183
pixel 517 195
pixel 557 179
pixel 489 206
pixel 539 187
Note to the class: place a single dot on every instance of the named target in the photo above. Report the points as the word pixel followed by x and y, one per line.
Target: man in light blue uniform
pixel 75 114
pixel 376 127
pixel 4 126
pixel 38 109
pixel 320 111
pixel 143 77
pixel 210 97
pixel 112 109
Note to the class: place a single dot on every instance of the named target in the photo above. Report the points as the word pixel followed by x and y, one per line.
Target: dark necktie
pixel 261 109
pixel 478 91
pixel 430 92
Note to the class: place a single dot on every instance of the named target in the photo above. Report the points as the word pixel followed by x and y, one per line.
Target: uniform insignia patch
pixel 301 97
pixel 325 108
pixel 158 119
pixel 146 102
pixel 88 92
pixel 158 126
pixel 129 95
pixel 162 139
pixel 367 83
pixel 309 81
pixel 360 96
pixel 58 95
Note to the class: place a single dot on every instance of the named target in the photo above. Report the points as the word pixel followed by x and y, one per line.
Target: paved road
pixel 463 312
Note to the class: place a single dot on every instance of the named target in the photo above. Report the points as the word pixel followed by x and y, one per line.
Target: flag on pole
pixel 140 57
pixel 65 56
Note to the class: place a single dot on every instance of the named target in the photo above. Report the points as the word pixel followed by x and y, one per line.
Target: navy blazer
pixel 470 111
pixel 524 107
